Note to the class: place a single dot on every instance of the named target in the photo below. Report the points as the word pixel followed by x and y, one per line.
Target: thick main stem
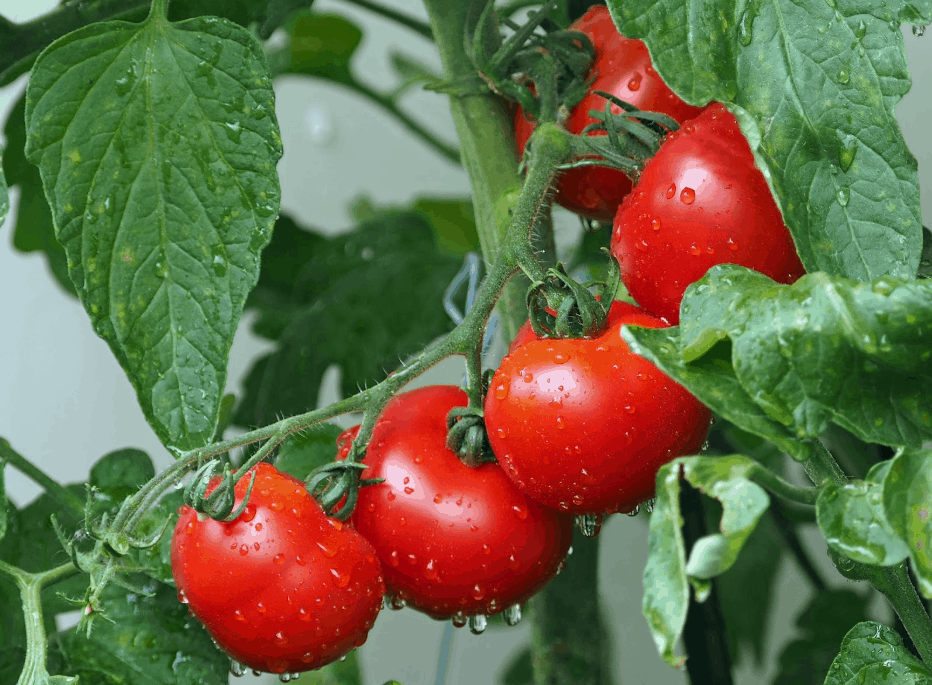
pixel 895 584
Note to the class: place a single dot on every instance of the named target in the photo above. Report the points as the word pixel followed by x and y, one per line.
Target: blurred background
pixel 65 402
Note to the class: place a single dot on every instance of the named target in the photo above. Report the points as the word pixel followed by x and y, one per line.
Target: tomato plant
pixel 454 541
pixel 583 425
pixel 281 588
pixel 700 201
pixel 622 68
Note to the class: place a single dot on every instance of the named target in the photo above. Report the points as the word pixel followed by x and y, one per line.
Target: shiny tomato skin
pixel 282 588
pixel 623 68
pixel 583 425
pixel 700 201
pixel 525 332
pixel 453 540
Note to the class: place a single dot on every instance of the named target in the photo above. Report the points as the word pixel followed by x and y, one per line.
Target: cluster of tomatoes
pixel 578 426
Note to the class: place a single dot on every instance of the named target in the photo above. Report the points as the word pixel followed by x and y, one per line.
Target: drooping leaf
pixel 666 593
pixel 363 300
pixel 157 146
pixel 816 83
pixel 907 503
pixel 303 452
pixel 821 350
pixel 822 624
pixel 852 520
pixel 150 641
pixel 121 473
pixel 33 230
pixel 873 653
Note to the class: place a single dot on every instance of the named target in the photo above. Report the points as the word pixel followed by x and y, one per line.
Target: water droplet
pixel 655 224
pixel 635 82
pixel 477 624
pixel 260 607
pixel 694 250
pixel 477 591
pixel 919 31
pixel 671 191
pixel 843 196
pixel 843 76
pixel 649 506
pixel 430 571
pixel 243 550
pixel 744 30
pixel 589 524
pixel 280 639
pixel 239 616
pixel 237 669
pixel 527 377
pixel 438 498
pixel 633 512
pixel 249 513
pixel 520 511
pixel 501 391
pixel 459 619
pixel 218 261
pixel 341 580
pixel 861 30
pixel 688 196
pixel 561 423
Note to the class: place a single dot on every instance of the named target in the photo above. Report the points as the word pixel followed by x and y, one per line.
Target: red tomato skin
pixel 282 588
pixel 700 202
pixel 525 332
pixel 452 539
pixel 623 68
pixel 583 425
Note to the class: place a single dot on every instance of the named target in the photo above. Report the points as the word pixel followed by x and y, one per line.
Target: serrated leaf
pixel 33 230
pixel 852 520
pixel 873 653
pixel 150 641
pixel 303 452
pixel 666 596
pixel 363 300
pixel 816 84
pixel 121 473
pixel 907 503
pixel 823 623
pixel 157 146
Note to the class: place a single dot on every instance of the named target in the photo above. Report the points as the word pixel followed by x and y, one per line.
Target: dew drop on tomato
pixel 688 196
pixel 244 550
pixel 304 615
pixel 694 250
pixel 341 580
pixel 477 591
pixel 276 506
pixel 635 82
pixel 393 558
pixel 328 552
pixel 189 529
pixel 520 511
pixel 671 191
pixel 732 245
pixel 655 224
pixel 390 495
pixel 501 391
pixel 279 558
pixel 430 571
pixel 560 422
pixel 527 377
pixel 260 607
pixel 280 639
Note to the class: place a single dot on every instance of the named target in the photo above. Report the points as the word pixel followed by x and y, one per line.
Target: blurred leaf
pixel 226 416
pixel 346 672
pixel 33 230
pixel 874 653
pixel 666 595
pixel 157 559
pixel 163 231
pixel 303 452
pixel 823 624
pixel 121 473
pixel 453 223
pixel 852 520
pixel 363 300
pixel 4 503
pixel 411 72
pixel 320 45
pixel 814 84
pixel 907 502
pixel 520 671
pixel 925 261
pixel 150 641
pixel 856 456
pixel 4 195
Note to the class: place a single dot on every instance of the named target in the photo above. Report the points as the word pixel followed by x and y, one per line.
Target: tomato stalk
pixel 62 496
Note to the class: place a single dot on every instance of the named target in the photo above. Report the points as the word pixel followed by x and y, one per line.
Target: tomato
pixel 584 425
pixel 623 68
pixel 699 202
pixel 454 541
pixel 525 332
pixel 281 588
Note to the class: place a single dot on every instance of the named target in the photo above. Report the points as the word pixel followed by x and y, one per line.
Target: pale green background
pixel 64 401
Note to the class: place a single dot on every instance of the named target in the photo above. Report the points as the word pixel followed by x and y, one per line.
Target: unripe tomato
pixel 583 425
pixel 623 68
pixel 454 541
pixel 282 588
pixel 699 202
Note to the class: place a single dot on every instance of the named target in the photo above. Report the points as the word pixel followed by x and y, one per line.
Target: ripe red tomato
pixel 281 588
pixel 583 425
pixel 623 68
pixel 454 541
pixel 525 332
pixel 699 202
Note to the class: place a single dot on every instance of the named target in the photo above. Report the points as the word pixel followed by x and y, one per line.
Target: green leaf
pixel 907 502
pixel 303 452
pixel 363 300
pixel 814 84
pixel 453 223
pixel 157 559
pixel 150 641
pixel 852 519
pixel 33 230
pixel 346 672
pixel 666 595
pixel 520 671
pixel 821 350
pixel 121 473
pixel 4 503
pixel 822 625
pixel 320 45
pixel 157 146
pixel 873 653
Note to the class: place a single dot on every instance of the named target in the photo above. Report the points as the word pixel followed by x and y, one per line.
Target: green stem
pixel 415 25
pixel 894 583
pixel 62 496
pixel 821 467
pixel 159 10
pixel 780 487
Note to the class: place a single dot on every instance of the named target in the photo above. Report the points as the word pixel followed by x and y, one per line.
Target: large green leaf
pixel 666 593
pixel 157 146
pixel 873 653
pixel 907 503
pixel 815 83
pixel 821 350
pixel 150 641
pixel 363 300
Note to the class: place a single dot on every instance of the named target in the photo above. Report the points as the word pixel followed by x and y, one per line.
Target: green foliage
pixel 666 594
pixel 121 473
pixel 800 356
pixel 832 151
pixel 873 653
pixel 4 195
pixel 346 672
pixel 363 300
pixel 520 671
pixel 149 640
pixel 158 160
pixel 303 452
pixel 907 503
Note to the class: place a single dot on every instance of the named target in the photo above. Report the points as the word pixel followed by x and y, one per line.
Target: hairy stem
pixel 62 496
